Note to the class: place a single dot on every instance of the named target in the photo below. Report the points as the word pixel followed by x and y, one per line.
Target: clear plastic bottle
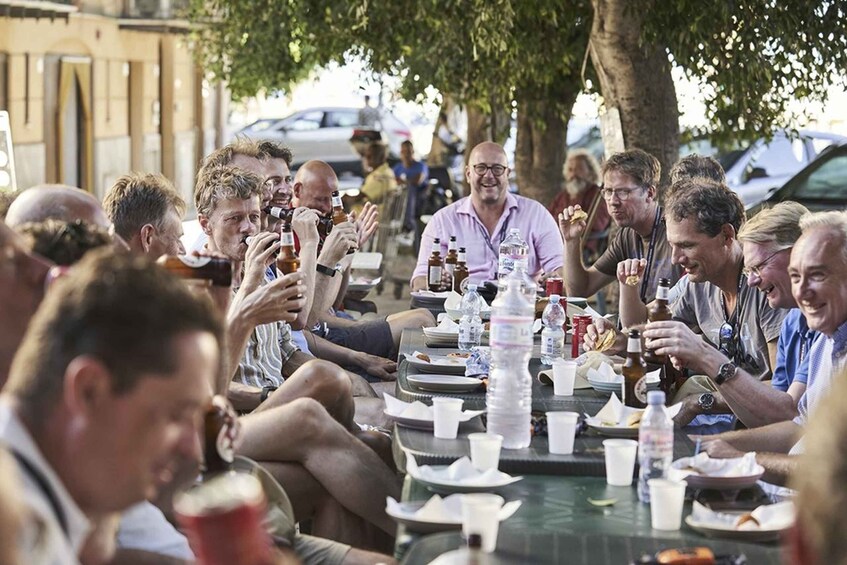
pixel 655 443
pixel 509 397
pixel 553 334
pixel 513 251
pixel 470 325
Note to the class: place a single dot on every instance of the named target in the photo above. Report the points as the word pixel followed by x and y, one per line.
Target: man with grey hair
pixel 818 269
pixel 694 166
pixel 57 201
pixel 581 187
pixel 147 211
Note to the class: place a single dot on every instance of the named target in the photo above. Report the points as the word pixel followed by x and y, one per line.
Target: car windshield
pixel 827 182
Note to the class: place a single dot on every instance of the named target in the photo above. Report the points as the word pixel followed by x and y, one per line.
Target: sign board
pixel 7 156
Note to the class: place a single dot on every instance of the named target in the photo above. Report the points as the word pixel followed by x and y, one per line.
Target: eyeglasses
pixel 620 193
pixel 757 269
pixel 482 168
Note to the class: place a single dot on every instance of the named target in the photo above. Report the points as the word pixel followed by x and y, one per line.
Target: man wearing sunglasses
pixel 720 323
pixel 482 221
pixel 630 189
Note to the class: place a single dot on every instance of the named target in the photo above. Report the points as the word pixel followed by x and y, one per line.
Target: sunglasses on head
pixel 729 346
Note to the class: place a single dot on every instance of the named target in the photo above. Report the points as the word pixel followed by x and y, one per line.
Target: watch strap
pixel 725 372
pixel 324 270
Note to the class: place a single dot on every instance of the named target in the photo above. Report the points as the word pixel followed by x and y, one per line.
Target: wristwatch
pixel 706 402
pixel 324 270
pixel 725 372
pixel 266 392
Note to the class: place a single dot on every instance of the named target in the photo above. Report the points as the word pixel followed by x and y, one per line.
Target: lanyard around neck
pixel 650 252
pixel 46 489
pixel 487 239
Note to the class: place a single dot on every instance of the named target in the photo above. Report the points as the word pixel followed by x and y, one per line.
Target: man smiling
pixel 482 221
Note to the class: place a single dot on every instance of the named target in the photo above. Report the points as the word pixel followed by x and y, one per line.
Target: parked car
pixel 822 185
pixel 324 133
pixel 755 170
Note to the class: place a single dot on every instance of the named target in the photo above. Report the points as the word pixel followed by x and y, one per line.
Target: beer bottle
pixel 339 216
pixel 279 213
pixel 434 267
pixel 658 311
pixel 287 261
pixel 460 272
pixel 216 270
pixel 219 436
pixel 634 368
pixel 452 257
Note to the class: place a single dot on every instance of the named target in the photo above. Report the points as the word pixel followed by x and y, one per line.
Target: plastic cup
pixel 446 417
pixel 564 373
pixel 481 515
pixel 561 429
pixel 485 450
pixel 666 500
pixel 620 461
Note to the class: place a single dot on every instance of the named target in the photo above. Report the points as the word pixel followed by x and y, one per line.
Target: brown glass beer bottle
pixel 434 266
pixel 287 261
pixel 216 270
pixel 460 272
pixel 452 257
pixel 658 311
pixel 339 215
pixel 634 369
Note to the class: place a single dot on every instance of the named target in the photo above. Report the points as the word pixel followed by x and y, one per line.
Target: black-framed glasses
pixel 482 168
pixel 757 269
pixel 620 193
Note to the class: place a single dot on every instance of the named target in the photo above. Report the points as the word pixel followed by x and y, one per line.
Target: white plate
pixel 696 480
pixel 427 296
pixel 427 424
pixel 439 364
pixel 614 431
pixel 363 286
pixel 450 486
pixel 444 383
pixel 616 387
pixel 422 526
pixel 715 531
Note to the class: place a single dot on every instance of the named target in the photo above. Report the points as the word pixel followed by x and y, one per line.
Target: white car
pixel 753 171
pixel 324 133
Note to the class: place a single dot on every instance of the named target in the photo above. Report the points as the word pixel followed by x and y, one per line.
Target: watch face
pixel 706 401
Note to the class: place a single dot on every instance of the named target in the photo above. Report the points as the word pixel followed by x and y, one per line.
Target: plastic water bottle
pixel 552 336
pixel 470 325
pixel 513 251
pixel 655 443
pixel 509 398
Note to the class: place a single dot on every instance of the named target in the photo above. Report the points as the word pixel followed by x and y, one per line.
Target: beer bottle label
pixel 194 261
pixel 336 201
pixel 641 390
pixel 449 267
pixel 661 293
pixel 633 345
pixel 287 239
pixel 435 276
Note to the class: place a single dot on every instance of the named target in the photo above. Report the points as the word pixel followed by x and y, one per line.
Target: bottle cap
pixel 554 298
pixel 472 286
pixel 474 541
pixel 655 397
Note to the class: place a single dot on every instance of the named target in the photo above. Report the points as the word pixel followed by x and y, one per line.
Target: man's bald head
pixel 314 184
pixel 57 202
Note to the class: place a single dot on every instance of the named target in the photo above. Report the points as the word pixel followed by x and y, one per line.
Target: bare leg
pixel 408 319
pixel 302 431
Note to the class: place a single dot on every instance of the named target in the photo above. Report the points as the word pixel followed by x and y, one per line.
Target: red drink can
pixel 223 521
pixel 579 324
pixel 555 285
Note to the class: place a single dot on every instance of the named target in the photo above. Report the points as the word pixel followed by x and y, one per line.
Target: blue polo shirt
pixel 792 356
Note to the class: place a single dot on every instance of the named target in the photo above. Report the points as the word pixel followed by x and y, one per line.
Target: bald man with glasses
pixel 482 221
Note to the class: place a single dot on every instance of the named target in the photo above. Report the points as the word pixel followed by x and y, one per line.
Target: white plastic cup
pixel 620 461
pixel 481 515
pixel 561 429
pixel 446 416
pixel 485 450
pixel 564 374
pixel 666 501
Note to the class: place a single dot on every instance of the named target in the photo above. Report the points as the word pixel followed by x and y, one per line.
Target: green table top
pixel 557 524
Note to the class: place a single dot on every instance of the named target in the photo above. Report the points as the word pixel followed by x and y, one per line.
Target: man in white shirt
pixel 105 392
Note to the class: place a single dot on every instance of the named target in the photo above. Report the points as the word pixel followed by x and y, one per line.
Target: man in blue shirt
pixel 414 175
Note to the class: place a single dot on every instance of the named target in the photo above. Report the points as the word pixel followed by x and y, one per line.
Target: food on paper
pixel 460 355
pixel 423 357
pixel 606 340
pixel 632 280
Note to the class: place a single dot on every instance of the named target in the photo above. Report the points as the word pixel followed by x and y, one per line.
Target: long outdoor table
pixel 557 524
pixel 587 459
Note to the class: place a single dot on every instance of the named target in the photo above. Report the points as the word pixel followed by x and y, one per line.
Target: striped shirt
pixel 826 358
pixel 268 348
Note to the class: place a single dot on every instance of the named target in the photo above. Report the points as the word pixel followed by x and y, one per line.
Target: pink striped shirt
pixel 460 219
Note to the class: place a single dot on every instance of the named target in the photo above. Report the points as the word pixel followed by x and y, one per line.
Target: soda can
pixel 223 518
pixel 555 285
pixel 579 324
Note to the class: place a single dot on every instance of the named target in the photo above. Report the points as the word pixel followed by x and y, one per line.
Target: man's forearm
pixel 308 260
pixel 238 331
pixel 342 288
pixel 329 351
pixel 778 467
pixel 774 438
pixel 419 283
pixel 244 398
pixel 632 310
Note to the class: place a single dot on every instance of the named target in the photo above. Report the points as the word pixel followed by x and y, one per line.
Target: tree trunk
pixel 542 142
pixel 636 79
